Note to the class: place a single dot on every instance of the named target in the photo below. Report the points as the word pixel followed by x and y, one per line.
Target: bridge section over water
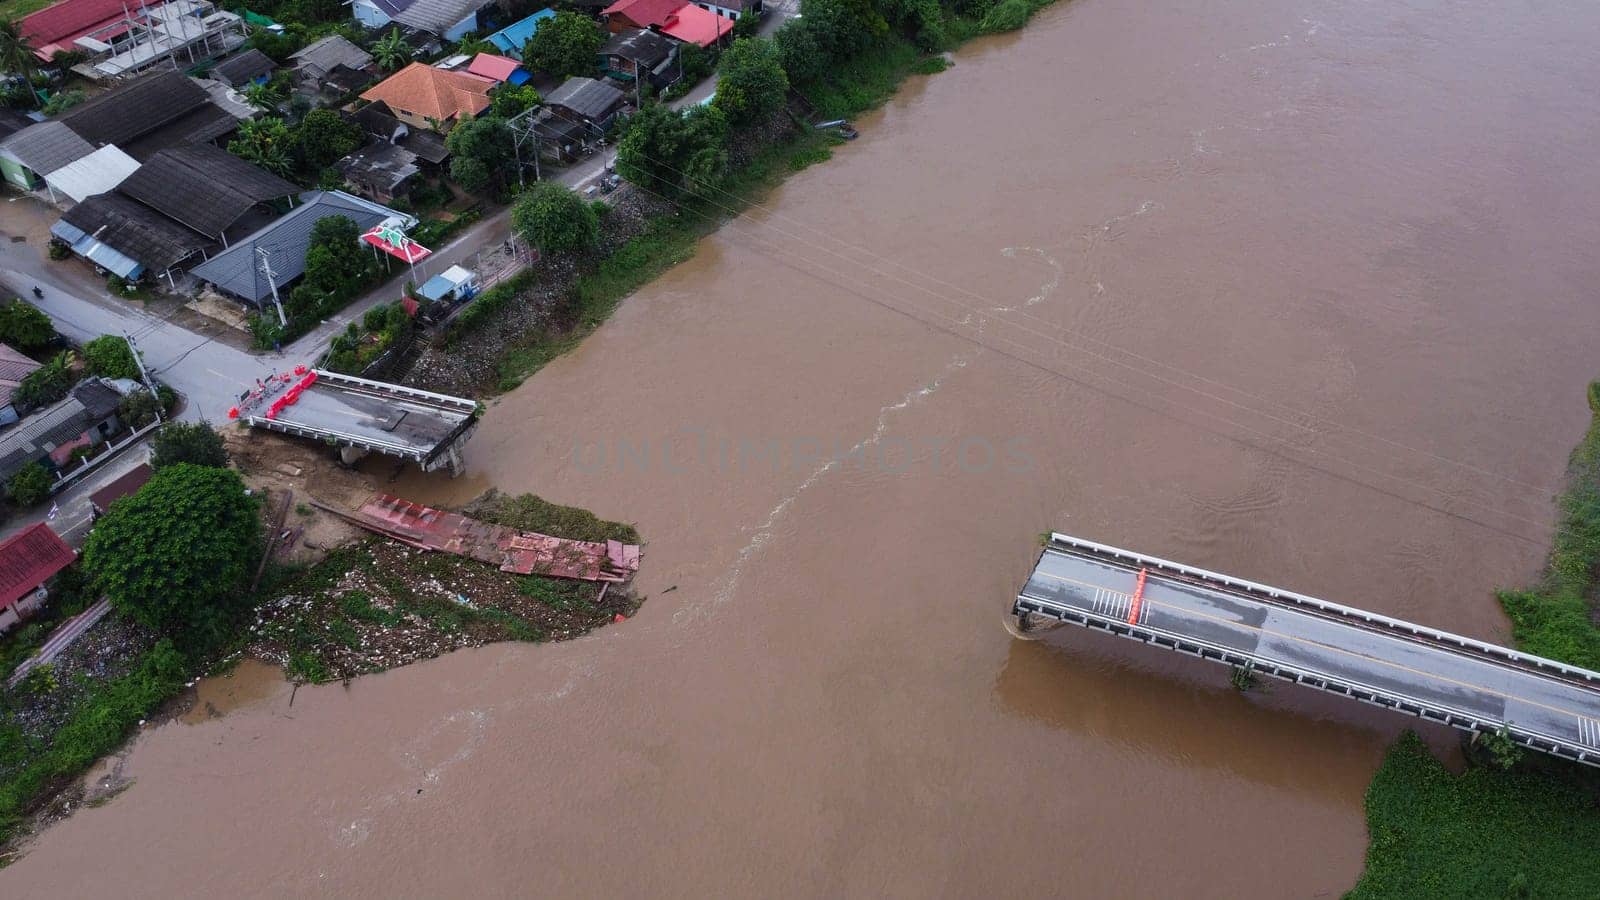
pixel 1542 704
pixel 367 416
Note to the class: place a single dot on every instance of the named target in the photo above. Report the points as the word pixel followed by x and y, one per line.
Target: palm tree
pixel 391 51
pixel 16 55
pixel 263 95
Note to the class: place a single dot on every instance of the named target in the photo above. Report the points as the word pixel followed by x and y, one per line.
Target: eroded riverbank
pixel 1334 216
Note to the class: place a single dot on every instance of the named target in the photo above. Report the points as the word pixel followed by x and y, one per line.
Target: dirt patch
pixel 274 463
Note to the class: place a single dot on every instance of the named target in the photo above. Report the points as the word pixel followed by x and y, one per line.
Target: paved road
pixel 1432 674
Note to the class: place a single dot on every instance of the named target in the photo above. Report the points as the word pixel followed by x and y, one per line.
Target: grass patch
pixel 565 595
pixel 98 724
pixel 1557 619
pixel 865 81
pixel 528 512
pixel 1529 831
pixel 16 9
pixel 1479 834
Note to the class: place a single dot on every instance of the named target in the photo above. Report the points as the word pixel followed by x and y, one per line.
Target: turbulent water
pixel 1300 291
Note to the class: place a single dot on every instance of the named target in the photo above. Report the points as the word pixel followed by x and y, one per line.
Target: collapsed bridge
pixel 363 416
pixel 1471 685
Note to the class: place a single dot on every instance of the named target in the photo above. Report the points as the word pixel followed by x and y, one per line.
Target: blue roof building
pixel 509 40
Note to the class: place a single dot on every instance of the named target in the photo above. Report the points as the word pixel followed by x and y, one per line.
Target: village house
pixel 380 123
pixel 28 559
pixel 330 68
pixel 379 171
pixel 237 272
pixel 511 39
pixel 245 69
pixel 692 25
pixel 499 69
pixel 624 15
pixel 450 20
pixel 13 368
pixel 585 100
pixel 86 418
pixel 634 52
pixel 423 96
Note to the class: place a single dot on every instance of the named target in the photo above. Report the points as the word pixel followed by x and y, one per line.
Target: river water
pixel 1298 291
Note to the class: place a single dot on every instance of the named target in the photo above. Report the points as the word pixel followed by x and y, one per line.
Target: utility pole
pixel 272 282
pixel 149 385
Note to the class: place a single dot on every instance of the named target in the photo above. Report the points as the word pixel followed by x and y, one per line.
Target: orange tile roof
pixel 421 90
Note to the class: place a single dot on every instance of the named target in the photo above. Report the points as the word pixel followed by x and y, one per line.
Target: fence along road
pixel 1542 704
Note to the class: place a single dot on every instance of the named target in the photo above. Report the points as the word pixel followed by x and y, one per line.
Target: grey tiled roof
pixel 379 164
pixel 203 187
pixel 640 45
pixel 237 270
pixel 322 55
pixel 46 146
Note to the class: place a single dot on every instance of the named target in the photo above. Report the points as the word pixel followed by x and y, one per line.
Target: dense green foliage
pixel 175 556
pixel 1482 833
pixel 674 153
pixel 16 53
pixel 567 44
pixel 391 51
pixel 350 353
pixel 110 356
pixel 187 442
pixel 30 485
pixel 752 82
pixel 527 512
pixel 1558 619
pixel 46 384
pixel 96 726
pixel 338 268
pixel 25 327
pixel 554 219
pixel 510 99
pixel 484 306
pixel 322 138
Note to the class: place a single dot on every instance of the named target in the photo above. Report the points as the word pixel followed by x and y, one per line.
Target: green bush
pixel 30 486
pixel 24 327
pixel 188 442
pixel 1008 15
pixel 555 219
pixel 527 512
pixel 109 355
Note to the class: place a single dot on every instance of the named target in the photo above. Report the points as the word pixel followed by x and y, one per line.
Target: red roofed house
pixel 54 28
pixel 625 14
pixel 27 560
pixel 693 25
pixel 424 97
pixel 502 69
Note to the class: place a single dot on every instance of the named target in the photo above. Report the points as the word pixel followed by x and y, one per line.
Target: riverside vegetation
pixel 1512 825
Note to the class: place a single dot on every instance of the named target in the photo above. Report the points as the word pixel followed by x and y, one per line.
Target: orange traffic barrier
pixel 1138 598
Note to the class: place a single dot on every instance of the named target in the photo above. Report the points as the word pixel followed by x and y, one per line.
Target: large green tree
pixel 30 485
pixel 481 152
pixel 48 383
pixel 176 555
pixel 25 327
pixel 751 82
pixel 554 219
pixel 322 138
pixel 564 45
pixel 110 356
pixel 674 153
pixel 194 443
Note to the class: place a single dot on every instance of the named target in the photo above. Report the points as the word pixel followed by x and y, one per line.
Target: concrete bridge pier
pixel 350 455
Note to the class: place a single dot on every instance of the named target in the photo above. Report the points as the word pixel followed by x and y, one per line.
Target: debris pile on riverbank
pixel 466 363
pixel 378 604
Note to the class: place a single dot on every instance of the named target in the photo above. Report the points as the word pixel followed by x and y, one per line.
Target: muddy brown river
pixel 1303 292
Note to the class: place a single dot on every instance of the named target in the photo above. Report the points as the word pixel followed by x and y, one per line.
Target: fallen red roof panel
pixel 28 559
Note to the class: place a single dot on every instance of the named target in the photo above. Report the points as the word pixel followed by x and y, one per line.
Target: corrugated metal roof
pixel 96 173
pixel 38 434
pixel 136 108
pixel 45 146
pixel 586 97
pixel 205 188
pixel 436 16
pixel 237 269
pixel 244 68
pixel 500 68
pixel 511 38
pixel 132 229
pixel 324 54
pixel 13 368
pixel 30 558
pixel 639 45
pixel 379 164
